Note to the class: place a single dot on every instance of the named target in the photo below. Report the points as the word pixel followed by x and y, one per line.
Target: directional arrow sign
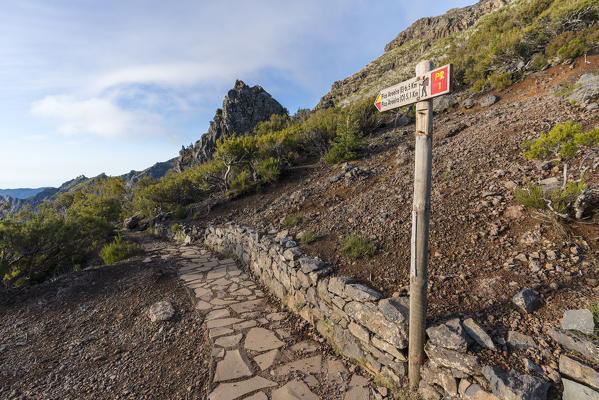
pixel 434 83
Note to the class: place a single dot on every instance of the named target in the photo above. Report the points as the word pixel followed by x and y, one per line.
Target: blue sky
pixel 109 86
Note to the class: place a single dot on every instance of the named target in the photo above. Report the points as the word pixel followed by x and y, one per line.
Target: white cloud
pixel 94 116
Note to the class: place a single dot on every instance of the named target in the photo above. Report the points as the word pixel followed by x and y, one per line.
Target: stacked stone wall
pixel 359 322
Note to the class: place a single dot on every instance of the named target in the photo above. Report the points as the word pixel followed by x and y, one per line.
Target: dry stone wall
pixel 366 327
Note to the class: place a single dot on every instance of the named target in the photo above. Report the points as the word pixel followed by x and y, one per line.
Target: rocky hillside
pixel 421 40
pixel 486 247
pixel 243 108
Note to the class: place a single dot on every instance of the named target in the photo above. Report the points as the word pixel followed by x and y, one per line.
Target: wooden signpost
pixel 427 84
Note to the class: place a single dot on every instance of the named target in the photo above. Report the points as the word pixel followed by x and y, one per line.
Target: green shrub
pixel 241 182
pixel 291 221
pixel 269 170
pixel 500 81
pixel 562 200
pixel 308 237
pixel 558 141
pixel 180 212
pixel 355 247
pixel 175 228
pixel 532 197
pixel 347 143
pixel 119 250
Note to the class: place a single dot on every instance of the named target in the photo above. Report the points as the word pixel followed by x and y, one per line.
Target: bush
pixel 180 212
pixel 347 143
pixel 291 221
pixel 532 197
pixel 355 247
pixel 175 228
pixel 241 182
pixel 119 250
pixel 308 237
pixel 561 200
pixel 558 141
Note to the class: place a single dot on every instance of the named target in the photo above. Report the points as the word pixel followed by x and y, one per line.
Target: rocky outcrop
pixel 418 42
pixel 454 20
pixel 244 107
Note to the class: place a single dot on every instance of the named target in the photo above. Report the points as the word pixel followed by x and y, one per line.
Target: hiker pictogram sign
pixel 432 84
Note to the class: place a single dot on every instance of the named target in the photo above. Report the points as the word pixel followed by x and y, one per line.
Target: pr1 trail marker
pixel 427 84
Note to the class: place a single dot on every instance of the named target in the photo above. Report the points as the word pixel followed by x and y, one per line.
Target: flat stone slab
pixel 294 390
pixel 235 365
pixel 232 391
pixel 358 389
pixel 228 341
pixel 219 323
pixel 312 365
pixel 260 339
pixel 246 306
pixel 267 360
pixel 216 314
pixel 216 332
pixel 257 396
pixel 244 325
pixel 203 306
pixel 304 347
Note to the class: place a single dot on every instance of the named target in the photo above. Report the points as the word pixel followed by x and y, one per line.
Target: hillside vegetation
pixel 498 49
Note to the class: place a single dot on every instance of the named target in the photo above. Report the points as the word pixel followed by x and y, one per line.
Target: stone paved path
pixel 256 353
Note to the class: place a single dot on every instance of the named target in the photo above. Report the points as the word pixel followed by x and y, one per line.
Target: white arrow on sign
pixel 434 83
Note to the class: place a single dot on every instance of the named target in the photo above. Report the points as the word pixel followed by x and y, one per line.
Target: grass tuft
pixel 119 249
pixel 308 237
pixel 355 247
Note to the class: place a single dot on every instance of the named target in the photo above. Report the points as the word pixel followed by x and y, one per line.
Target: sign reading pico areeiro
pixel 434 83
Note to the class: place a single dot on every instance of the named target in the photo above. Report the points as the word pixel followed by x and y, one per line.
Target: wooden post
pixel 420 227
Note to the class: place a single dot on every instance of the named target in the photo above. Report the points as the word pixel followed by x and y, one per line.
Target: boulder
pixel 310 264
pixel 444 103
pixel 586 89
pixel 450 335
pixel 454 360
pixel 396 309
pixel 582 345
pixel 468 103
pixel 579 371
pixel 132 222
pixel 576 391
pixel 161 311
pixel 514 386
pixel 488 100
pixel 520 341
pixel 579 320
pixel 527 301
pixel 478 334
pixel 357 291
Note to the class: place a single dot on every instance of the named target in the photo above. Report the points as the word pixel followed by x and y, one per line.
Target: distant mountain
pixel 38 196
pixel 156 171
pixel 22 193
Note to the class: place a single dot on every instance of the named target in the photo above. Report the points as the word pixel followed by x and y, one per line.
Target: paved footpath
pixel 258 355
